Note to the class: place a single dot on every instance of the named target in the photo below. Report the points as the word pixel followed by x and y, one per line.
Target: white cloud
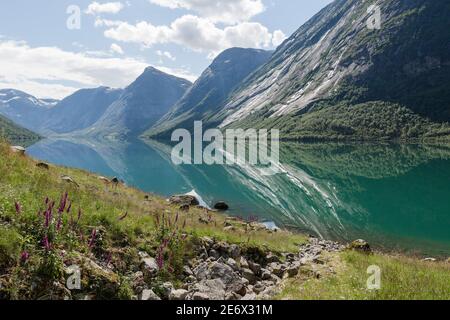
pixel 165 54
pixel 198 34
pixel 108 7
pixel 225 11
pixel 117 49
pixel 52 72
pixel 278 38
pixel 99 22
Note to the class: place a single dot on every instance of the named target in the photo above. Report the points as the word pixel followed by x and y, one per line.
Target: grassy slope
pixel 401 279
pixel 21 181
pixel 16 134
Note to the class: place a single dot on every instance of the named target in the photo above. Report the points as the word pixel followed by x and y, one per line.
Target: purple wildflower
pixel 24 256
pixel 79 214
pixel 47 218
pixel 93 236
pixel 108 258
pixel 18 207
pixel 46 243
pixel 63 203
pixel 160 259
pixel 59 224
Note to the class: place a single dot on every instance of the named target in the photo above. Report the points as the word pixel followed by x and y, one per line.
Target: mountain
pixel 24 109
pixel 335 78
pixel 141 104
pixel 47 116
pixel 209 92
pixel 15 134
pixel 80 110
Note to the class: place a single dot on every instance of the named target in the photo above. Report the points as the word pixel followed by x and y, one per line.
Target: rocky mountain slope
pixel 210 91
pixel 98 111
pixel 141 104
pixel 24 109
pixel 46 116
pixel 80 110
pixel 402 69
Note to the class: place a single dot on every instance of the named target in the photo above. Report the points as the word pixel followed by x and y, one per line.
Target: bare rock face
pixel 331 59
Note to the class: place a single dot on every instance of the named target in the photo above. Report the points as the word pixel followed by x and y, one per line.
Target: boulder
pixel 69 180
pixel 213 289
pixel 167 288
pixel 221 206
pixel 249 275
pixel 201 271
pixel 187 271
pixel 277 269
pixel 243 263
pixel 18 149
pixel 266 274
pixel 148 295
pixel 256 268
pixel 182 200
pixel 272 258
pixel 293 269
pixel 233 264
pixel 149 266
pixel 259 287
pixel 361 246
pixel 198 296
pixel 249 297
pixel 42 165
pixel 213 254
pixel 179 294
pixel 234 251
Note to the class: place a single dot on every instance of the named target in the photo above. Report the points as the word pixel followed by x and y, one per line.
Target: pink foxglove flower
pixel 18 207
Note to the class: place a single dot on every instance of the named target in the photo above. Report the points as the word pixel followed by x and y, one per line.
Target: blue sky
pixel 118 39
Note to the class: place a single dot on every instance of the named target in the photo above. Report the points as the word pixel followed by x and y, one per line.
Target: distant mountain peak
pixel 209 92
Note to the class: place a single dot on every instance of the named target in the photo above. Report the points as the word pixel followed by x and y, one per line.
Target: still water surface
pixel 394 196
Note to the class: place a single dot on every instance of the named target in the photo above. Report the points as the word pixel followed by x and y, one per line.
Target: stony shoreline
pixel 223 271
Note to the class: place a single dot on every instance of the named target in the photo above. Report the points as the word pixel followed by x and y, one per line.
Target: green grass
pixel 402 278
pixel 102 206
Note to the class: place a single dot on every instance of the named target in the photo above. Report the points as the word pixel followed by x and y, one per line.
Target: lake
pixel 395 196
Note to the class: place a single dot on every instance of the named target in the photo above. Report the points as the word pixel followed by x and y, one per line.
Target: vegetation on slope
pixel 401 278
pixel 371 121
pixel 15 134
pixel 105 225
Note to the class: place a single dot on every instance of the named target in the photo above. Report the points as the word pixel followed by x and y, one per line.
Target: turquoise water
pixel 395 196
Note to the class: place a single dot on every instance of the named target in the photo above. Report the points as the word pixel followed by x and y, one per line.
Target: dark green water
pixel 395 196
